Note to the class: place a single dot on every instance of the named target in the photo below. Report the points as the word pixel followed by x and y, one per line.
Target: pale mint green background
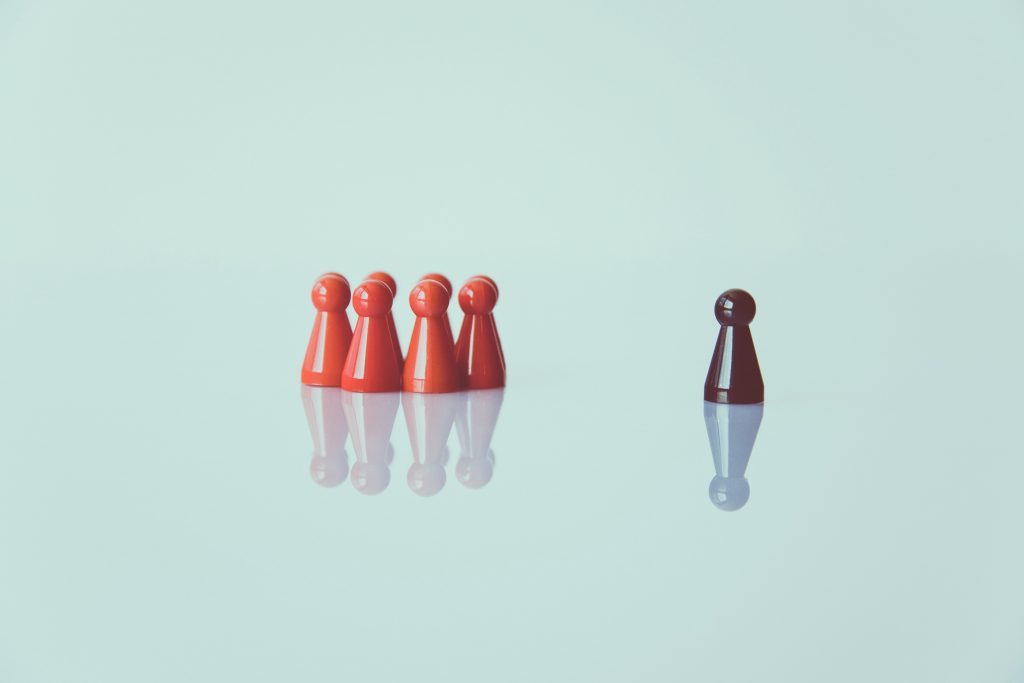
pixel 173 176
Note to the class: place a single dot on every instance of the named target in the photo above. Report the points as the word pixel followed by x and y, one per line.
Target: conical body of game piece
pixel 371 419
pixel 332 333
pixel 393 286
pixel 372 364
pixel 329 430
pixel 429 419
pixel 734 375
pixel 478 351
pixel 475 420
pixel 437 277
pixel 732 429
pixel 430 366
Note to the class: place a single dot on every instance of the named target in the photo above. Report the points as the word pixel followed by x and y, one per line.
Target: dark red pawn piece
pixel 478 351
pixel 734 375
pixel 331 335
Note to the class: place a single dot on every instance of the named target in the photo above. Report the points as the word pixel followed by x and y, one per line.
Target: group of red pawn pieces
pixel 370 358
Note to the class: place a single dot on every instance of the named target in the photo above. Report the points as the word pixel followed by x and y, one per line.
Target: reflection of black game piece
pixel 732 430
pixel 329 430
pixel 474 425
pixel 734 375
pixel 429 418
pixel 371 417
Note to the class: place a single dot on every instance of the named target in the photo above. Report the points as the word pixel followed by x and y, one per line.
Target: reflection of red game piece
pixel 474 423
pixel 478 351
pixel 734 375
pixel 430 367
pixel 332 332
pixel 451 292
pixel 393 286
pixel 429 420
pixel 371 418
pixel 329 429
pixel 372 363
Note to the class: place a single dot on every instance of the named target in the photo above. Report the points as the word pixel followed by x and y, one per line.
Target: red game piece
pixel 451 292
pixel 430 367
pixel 372 363
pixel 478 351
pixel 393 286
pixel 429 420
pixel 332 332
pixel 496 297
pixel 734 375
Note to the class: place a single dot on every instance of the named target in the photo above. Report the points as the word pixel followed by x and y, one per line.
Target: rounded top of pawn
pixel 488 279
pixel 429 298
pixel 439 278
pixel 386 279
pixel 372 299
pixel 478 296
pixel 735 307
pixel 330 292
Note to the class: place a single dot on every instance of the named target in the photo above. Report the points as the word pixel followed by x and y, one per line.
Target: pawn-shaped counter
pixel 372 364
pixel 734 375
pixel 732 429
pixel 475 420
pixel 478 351
pixel 386 278
pixel 429 419
pixel 489 280
pixel 438 277
pixel 329 430
pixel 430 367
pixel 332 333
pixel 371 419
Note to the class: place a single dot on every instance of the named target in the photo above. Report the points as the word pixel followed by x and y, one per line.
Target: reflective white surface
pixel 174 176
pixel 173 517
